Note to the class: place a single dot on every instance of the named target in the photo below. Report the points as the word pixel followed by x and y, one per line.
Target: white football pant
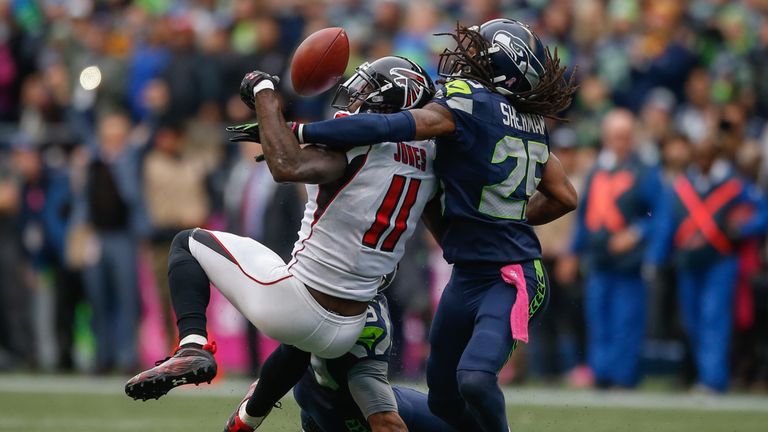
pixel 256 281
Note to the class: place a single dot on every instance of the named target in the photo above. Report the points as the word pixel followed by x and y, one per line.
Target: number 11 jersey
pixel 489 168
pixel 354 230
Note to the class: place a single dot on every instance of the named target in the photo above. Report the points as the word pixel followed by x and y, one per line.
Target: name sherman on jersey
pixel 524 122
pixel 486 208
pixel 354 230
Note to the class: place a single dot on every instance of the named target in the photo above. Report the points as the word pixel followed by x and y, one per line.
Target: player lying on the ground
pixel 363 206
pixel 352 392
pixel 499 178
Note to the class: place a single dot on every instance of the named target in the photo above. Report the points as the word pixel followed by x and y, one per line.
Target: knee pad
pixel 474 386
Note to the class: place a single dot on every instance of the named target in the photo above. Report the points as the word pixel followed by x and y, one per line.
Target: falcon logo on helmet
pixel 412 82
pixel 389 84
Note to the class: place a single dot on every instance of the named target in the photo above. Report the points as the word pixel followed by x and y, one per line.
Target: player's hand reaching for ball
pixel 254 82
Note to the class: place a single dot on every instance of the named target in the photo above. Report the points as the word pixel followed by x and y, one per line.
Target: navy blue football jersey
pixel 489 168
pixel 323 392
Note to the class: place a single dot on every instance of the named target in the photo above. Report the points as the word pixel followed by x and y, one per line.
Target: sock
pixel 190 288
pixel 194 339
pixel 251 421
pixel 281 371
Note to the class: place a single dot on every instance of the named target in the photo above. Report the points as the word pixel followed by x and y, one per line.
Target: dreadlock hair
pixel 552 95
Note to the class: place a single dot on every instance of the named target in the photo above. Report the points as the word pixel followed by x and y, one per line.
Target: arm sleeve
pixel 370 387
pixel 360 130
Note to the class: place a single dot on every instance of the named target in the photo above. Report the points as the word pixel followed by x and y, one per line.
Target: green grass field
pixel 32 404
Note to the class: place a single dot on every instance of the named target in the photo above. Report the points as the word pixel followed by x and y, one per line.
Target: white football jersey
pixel 355 229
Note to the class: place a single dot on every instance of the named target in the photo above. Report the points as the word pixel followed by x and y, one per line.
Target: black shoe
pixel 188 365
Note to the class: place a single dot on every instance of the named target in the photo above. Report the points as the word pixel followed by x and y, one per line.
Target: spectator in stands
pixel 695 225
pixel 697 115
pixel 657 56
pixel 36 182
pixel 15 323
pixel 176 199
pixel 655 121
pixel 758 59
pixel 557 342
pixel 192 76
pixel 67 277
pixel 613 224
pixel 147 61
pixel 112 204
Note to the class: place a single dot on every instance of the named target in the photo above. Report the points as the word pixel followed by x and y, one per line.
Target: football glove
pixel 249 132
pixel 245 132
pixel 256 81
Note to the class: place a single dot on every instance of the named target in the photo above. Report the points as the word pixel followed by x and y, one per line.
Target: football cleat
pixel 234 423
pixel 188 365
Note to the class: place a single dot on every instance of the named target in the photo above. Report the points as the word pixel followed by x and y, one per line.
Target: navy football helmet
pixel 503 54
pixel 389 84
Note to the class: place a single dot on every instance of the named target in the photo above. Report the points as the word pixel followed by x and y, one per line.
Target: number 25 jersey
pixel 489 168
pixel 354 230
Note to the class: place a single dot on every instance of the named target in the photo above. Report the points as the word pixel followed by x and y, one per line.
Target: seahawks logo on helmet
pixel 412 82
pixel 521 54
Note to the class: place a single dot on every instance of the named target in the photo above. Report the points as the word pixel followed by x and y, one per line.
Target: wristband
pixel 263 85
pixel 298 129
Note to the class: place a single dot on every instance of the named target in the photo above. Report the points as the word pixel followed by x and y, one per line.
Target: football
pixel 320 61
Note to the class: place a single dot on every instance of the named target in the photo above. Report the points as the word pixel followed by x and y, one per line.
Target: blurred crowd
pixel 112 116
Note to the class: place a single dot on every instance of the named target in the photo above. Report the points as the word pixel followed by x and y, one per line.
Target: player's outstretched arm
pixel 367 129
pixel 287 160
pixel 370 389
pixel 555 196
pixel 433 120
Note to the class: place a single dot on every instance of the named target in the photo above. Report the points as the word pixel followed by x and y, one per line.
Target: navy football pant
pixel 411 404
pixel 615 317
pixel 706 303
pixel 471 341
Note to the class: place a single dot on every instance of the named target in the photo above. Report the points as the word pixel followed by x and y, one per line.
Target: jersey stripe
pixel 329 191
